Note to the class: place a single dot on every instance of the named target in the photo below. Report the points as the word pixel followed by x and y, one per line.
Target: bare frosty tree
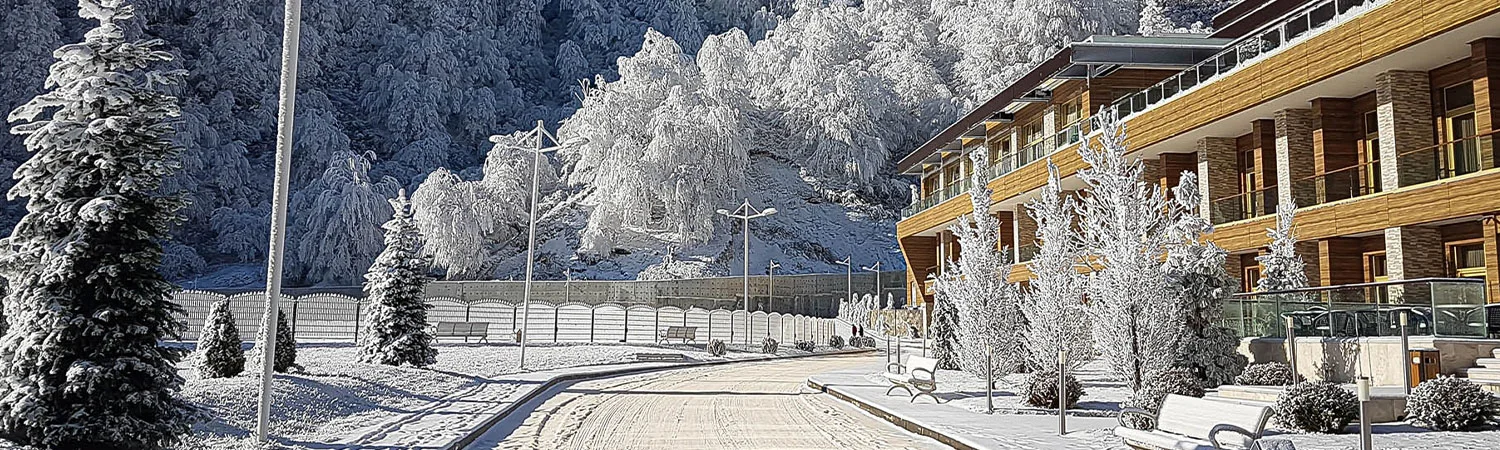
pixel 1126 224
pixel 1056 318
pixel 1282 268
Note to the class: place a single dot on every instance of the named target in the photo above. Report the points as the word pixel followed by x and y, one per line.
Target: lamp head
pixel 723 211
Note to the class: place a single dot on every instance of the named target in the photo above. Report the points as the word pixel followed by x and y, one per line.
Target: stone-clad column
pixel 1216 175
pixel 1294 157
pixel 1025 233
pixel 1404 108
pixel 1411 253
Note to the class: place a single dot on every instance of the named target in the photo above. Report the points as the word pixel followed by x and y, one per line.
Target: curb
pixel 473 435
pixel 895 419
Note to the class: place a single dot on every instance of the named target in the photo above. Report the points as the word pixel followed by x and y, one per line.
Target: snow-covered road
pixel 738 406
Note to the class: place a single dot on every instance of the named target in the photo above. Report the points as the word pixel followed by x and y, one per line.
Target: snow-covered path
pixel 747 405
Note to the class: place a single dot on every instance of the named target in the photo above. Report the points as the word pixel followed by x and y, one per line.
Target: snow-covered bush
pixel 82 365
pixel 944 333
pixel 1272 373
pixel 1176 380
pixel 1451 403
pixel 862 342
pixel 806 346
pixel 836 341
pixel 396 332
pixel 1041 389
pixel 716 347
pixel 768 346
pixel 220 354
pixel 1316 406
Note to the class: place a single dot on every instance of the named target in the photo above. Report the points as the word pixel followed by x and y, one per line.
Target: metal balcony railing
pixel 1443 307
pixel 1243 206
pixel 1301 23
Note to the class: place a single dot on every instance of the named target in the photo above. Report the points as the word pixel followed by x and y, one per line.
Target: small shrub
pixel 286 346
pixel 219 350
pixel 836 342
pixel 1156 387
pixel 1041 390
pixel 1451 404
pixel 768 346
pixel 1316 406
pixel 1266 374
pixel 862 342
pixel 806 346
pixel 716 347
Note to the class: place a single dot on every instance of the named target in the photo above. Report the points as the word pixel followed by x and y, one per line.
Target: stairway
pixel 1487 372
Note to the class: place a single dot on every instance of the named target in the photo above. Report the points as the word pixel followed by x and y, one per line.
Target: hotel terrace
pixel 1376 117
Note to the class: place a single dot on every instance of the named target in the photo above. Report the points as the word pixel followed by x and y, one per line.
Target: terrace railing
pixel 1299 24
pixel 1441 307
pixel 1243 206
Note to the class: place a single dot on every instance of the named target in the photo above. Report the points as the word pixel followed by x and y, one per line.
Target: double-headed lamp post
pixel 746 212
pixel 879 294
pixel 848 277
pixel 771 287
pixel 539 133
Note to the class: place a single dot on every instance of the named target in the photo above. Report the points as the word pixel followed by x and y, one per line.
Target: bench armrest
pixel 898 366
pixel 925 375
pixel 1213 433
pixel 1136 412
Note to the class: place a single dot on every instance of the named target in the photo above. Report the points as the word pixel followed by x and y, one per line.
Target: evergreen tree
pixel 220 354
pixel 82 366
pixel 1282 268
pixel 286 345
pixel 945 334
pixel 396 331
pixel 1195 271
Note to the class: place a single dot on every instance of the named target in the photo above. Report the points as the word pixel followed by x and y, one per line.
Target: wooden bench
pixel 660 357
pixel 686 334
pixel 464 330
pixel 1184 422
pixel 918 373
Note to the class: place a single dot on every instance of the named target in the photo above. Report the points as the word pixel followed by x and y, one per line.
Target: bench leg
pixel 928 394
pixel 897 386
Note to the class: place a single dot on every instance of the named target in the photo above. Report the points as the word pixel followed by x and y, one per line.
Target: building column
pixel 1485 68
pixel 1172 166
pixel 1335 146
pixel 1216 175
pixel 1411 253
pixel 1007 222
pixel 1491 227
pixel 1341 261
pixel 1263 139
pixel 1049 129
pixel 1294 157
pixel 1404 109
pixel 1311 263
pixel 1025 233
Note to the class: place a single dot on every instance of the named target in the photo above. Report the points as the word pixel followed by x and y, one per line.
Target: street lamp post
pixel 771 286
pixel 290 40
pixel 879 295
pixel 746 212
pixel 539 133
pixel 848 277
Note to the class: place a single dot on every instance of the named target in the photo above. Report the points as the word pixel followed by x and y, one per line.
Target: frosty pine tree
pixel 1282 268
pixel 219 347
pixel 396 332
pixel 81 366
pixel 286 345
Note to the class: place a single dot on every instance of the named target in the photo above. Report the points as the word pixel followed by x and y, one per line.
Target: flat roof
pixel 1079 60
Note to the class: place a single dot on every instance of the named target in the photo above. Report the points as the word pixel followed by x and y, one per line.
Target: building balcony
pixel 1442 161
pixel 1439 307
pixel 1245 205
pixel 1302 23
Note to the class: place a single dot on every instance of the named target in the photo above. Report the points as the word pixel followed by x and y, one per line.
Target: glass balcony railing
pixel 1345 183
pixel 1027 252
pixel 1069 135
pixel 941 195
pixel 1243 206
pixel 1304 22
pixel 1443 307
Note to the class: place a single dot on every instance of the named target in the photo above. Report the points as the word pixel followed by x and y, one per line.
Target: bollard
pixel 1062 392
pixel 1366 441
pixel 1291 346
pixel 1405 355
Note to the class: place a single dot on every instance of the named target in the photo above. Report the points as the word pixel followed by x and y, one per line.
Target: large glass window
pixel 1466 259
pixel 1369 155
pixel 1249 182
pixel 1461 154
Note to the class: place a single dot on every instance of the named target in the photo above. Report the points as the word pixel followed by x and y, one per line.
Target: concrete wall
pixel 1342 359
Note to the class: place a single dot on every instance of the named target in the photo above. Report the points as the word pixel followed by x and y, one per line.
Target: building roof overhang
pixel 1094 57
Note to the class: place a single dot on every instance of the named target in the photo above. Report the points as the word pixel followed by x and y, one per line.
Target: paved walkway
pixel 964 428
pixel 740 406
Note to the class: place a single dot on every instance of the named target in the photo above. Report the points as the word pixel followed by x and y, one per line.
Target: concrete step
pixel 1481 373
pixel 1488 363
pixel 1495 352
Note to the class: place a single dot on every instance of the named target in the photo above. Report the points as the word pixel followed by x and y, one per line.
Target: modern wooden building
pixel 1376 117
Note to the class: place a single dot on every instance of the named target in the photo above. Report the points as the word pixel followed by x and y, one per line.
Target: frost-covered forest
pixel 686 105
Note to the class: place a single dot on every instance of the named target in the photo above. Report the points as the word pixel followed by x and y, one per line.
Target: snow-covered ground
pixel 335 395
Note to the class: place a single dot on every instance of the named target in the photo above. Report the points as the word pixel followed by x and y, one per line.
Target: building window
pixel 1249 183
pixel 952 174
pixel 1461 153
pixel 930 185
pixel 1249 278
pixel 1466 259
pixel 1369 155
pixel 1000 155
pixel 1375 273
pixel 1032 134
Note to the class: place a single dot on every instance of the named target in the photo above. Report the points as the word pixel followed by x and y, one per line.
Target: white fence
pixel 334 317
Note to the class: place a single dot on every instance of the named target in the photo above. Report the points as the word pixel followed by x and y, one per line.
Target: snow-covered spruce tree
pixel 944 333
pixel 82 365
pixel 220 354
pixel 286 345
pixel 396 331
pixel 1282 268
pixel 1195 272
pixel 1056 318
pixel 1126 223
pixel 989 319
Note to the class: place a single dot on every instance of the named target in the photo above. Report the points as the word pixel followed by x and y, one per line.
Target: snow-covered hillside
pixel 801 105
